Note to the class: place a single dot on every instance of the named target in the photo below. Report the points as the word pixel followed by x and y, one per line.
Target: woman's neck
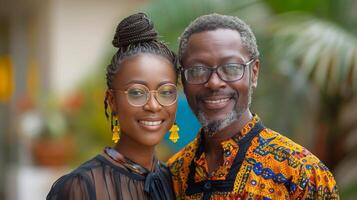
pixel 140 154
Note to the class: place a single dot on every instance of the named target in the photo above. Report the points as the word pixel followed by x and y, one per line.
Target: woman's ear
pixel 111 100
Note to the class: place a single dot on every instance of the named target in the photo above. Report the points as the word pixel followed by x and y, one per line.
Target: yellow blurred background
pixel 53 55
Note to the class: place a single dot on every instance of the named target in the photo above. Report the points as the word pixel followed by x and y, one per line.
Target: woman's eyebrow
pixel 146 83
pixel 165 82
pixel 137 82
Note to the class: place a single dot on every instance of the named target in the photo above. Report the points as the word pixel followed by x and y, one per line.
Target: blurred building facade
pixel 46 47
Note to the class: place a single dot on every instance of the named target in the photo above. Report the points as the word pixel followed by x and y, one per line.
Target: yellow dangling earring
pixel 116 129
pixel 174 136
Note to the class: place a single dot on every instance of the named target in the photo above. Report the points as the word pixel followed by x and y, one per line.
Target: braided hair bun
pixel 134 29
pixel 135 35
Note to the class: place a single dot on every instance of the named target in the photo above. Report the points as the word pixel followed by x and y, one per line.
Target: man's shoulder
pixel 179 163
pixel 184 154
pixel 283 148
pixel 280 160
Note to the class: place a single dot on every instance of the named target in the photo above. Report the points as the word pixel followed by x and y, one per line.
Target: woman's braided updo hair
pixel 134 35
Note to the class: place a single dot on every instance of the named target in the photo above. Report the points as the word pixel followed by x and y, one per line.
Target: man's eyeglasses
pixel 229 72
pixel 139 95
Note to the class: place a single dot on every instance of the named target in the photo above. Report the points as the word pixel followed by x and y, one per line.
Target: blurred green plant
pixel 88 123
pixel 320 56
pixel 50 118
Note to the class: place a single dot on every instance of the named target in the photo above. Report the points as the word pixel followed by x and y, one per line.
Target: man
pixel 234 156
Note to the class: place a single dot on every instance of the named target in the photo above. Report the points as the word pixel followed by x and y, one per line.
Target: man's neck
pixel 213 148
pixel 231 129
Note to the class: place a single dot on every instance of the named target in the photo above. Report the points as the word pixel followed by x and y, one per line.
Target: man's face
pixel 217 103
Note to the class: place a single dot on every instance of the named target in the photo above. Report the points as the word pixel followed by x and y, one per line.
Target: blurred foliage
pixel 349 192
pixel 324 51
pixel 320 56
pixel 338 11
pixel 171 17
pixel 90 125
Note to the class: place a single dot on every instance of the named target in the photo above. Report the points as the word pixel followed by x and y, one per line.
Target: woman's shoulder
pixel 77 183
pixel 86 167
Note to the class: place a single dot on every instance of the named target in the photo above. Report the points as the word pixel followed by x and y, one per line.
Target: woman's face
pixel 146 124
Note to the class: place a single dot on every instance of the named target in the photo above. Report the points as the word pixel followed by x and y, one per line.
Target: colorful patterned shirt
pixel 258 163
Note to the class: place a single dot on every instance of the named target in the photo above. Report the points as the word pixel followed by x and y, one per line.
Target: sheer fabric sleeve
pixel 72 187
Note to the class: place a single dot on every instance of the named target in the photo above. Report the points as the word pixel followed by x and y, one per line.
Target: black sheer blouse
pixel 106 177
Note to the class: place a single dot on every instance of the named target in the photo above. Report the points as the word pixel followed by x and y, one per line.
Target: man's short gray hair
pixel 216 21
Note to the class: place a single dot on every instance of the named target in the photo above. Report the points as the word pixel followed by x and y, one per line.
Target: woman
pixel 142 96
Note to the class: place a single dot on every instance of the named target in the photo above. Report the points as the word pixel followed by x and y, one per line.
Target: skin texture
pixel 137 141
pixel 220 120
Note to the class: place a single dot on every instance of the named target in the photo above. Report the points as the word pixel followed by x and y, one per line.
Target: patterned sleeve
pixel 315 182
pixel 72 187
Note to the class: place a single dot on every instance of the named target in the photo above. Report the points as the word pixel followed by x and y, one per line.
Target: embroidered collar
pixel 230 142
pixel 230 148
pixel 207 186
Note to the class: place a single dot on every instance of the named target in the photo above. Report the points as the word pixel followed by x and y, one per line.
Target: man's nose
pixel 215 82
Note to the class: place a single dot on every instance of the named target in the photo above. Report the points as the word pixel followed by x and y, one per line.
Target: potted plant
pixel 55 145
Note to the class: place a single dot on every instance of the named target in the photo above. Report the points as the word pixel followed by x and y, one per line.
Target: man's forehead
pixel 223 43
pixel 214 38
pixel 218 32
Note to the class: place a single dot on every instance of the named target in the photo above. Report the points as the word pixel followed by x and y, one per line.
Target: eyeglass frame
pixel 214 69
pixel 148 91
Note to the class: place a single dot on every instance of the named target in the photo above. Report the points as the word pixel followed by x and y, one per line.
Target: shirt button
pixel 227 152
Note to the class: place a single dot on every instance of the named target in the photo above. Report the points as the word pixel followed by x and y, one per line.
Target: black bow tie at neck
pixel 157 186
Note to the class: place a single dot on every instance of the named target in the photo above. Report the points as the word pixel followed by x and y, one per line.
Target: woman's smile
pixel 151 125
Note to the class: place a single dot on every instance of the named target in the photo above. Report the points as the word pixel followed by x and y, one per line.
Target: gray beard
pixel 210 128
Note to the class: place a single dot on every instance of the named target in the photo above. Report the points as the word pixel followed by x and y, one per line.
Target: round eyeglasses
pixel 139 95
pixel 229 72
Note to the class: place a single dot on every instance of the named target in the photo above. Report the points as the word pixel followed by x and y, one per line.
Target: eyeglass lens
pixel 201 74
pixel 138 95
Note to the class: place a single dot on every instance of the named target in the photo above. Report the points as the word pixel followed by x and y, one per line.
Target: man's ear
pixel 255 73
pixel 183 81
pixel 111 100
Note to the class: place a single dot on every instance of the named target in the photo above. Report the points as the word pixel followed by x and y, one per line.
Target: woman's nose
pixel 152 105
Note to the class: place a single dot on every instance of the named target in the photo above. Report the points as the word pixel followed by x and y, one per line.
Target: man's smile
pixel 216 102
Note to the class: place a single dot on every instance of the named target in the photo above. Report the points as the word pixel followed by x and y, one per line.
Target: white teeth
pixel 217 101
pixel 150 123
